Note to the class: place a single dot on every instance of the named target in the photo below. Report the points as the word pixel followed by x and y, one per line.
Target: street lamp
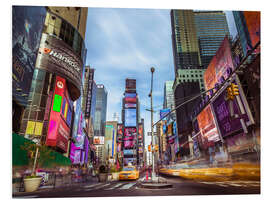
pixel 152 130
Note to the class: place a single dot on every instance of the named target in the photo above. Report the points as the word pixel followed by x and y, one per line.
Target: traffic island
pixel 157 183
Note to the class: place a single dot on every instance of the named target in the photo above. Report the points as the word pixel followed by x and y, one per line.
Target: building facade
pixel 56 81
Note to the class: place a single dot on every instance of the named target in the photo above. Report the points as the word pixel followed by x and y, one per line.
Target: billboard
pixel 163 113
pixel 130 132
pixel 27 25
pixel 57 57
pixel 130 105
pixel 130 117
pixel 253 24
pixel 219 65
pixel 130 98
pixel 207 124
pixel 226 123
pixel 89 93
pixel 98 140
pixel 129 152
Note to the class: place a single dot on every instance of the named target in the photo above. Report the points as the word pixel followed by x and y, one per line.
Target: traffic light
pixel 235 90
pixel 149 148
pixel 156 148
pixel 230 93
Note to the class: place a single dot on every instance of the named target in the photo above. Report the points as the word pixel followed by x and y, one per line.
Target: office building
pixel 56 82
pixel 211 28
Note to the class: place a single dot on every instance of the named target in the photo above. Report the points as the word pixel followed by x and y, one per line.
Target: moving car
pixel 129 173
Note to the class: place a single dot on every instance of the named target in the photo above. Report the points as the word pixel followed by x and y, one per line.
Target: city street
pixel 131 188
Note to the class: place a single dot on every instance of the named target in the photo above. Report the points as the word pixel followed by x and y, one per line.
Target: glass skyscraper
pixel 101 110
pixel 211 28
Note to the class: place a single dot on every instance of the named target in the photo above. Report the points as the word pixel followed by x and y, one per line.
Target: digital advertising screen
pixel 130 105
pixel 130 132
pixel 207 124
pixel 98 140
pixel 253 23
pixel 219 65
pixel 163 113
pixel 130 117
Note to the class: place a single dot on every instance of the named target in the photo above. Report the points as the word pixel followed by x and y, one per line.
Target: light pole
pixel 152 127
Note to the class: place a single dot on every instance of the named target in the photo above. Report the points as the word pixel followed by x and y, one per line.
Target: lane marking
pixel 127 186
pixel 93 185
pixel 102 186
pixel 115 186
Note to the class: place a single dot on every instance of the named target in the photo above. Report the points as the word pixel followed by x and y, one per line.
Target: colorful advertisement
pixel 86 147
pixel 219 65
pixel 130 98
pixel 226 123
pixel 207 125
pixel 98 140
pixel 253 23
pixel 129 152
pixel 27 25
pixel 130 105
pixel 130 117
pixel 58 57
pixel 164 113
pixel 58 131
pixel 130 132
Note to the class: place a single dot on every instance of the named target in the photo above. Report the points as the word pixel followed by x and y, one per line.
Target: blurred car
pixel 129 173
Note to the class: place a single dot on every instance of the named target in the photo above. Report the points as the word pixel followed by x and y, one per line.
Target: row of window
pixel 62 29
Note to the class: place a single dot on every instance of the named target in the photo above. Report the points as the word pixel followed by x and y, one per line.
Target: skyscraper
pixel 168 101
pixel 211 28
pixel 195 38
pixel 101 111
pixel 56 82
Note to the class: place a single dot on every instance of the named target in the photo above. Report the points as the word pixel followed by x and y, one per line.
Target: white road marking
pixel 90 186
pixel 99 187
pixel 115 186
pixel 127 186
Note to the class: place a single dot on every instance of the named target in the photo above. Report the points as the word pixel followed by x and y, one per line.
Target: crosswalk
pixel 234 183
pixel 110 186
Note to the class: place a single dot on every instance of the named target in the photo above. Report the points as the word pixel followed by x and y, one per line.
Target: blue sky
pixel 126 43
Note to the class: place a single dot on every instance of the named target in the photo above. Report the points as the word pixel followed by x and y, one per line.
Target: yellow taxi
pixel 129 173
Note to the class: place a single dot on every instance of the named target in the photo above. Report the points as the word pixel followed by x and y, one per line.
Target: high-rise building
pixel 110 142
pixel 27 25
pixel 211 28
pixel 195 37
pixel 101 111
pixel 185 41
pixel 168 101
pixel 57 78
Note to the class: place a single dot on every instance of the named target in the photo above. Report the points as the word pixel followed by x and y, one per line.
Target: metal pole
pixel 35 161
pixel 152 126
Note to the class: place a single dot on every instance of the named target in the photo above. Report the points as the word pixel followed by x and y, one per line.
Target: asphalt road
pixel 130 188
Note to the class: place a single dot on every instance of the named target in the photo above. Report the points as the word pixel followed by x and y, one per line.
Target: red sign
pixel 63 135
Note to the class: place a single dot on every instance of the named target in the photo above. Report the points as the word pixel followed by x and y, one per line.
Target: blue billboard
pixel 130 118
pixel 163 113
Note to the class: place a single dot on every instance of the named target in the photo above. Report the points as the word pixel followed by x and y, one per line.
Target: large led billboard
pixel 27 25
pixel 130 97
pixel 130 118
pixel 227 124
pixel 207 124
pixel 164 113
pixel 219 65
pixel 253 23
pixel 130 84
pixel 98 140
pixel 130 105
pixel 130 132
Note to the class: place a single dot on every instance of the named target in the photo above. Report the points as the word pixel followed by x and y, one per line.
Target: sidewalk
pixel 59 184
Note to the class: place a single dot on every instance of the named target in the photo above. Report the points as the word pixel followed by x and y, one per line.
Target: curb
pixel 155 185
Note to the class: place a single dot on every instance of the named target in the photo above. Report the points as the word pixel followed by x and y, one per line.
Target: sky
pixel 126 43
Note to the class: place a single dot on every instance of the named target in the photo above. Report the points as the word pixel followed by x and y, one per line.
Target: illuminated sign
pixel 130 117
pixel 98 140
pixel 59 58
